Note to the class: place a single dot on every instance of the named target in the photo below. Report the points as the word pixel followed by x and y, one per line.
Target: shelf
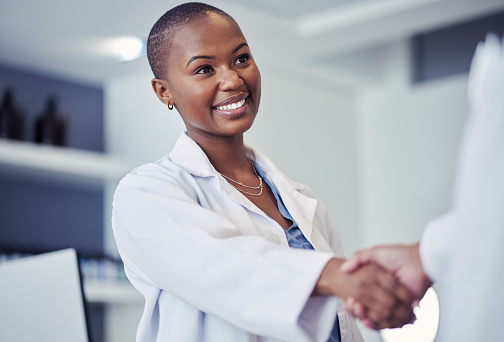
pixel 60 164
pixel 111 292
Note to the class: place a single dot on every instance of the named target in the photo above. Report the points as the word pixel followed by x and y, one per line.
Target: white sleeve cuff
pixel 435 246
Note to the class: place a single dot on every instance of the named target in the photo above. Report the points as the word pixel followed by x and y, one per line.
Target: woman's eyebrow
pixel 193 58
pixel 239 47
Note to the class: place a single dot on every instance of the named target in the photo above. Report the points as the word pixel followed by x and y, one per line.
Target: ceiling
pixel 71 39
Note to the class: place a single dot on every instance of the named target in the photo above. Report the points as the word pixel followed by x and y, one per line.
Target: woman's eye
pixel 242 59
pixel 204 69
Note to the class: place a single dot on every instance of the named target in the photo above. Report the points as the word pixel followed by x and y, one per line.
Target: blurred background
pixel 363 100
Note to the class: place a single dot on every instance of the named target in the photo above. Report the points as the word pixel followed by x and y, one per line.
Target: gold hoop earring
pixel 170 106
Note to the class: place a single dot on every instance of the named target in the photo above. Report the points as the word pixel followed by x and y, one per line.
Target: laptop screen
pixel 41 299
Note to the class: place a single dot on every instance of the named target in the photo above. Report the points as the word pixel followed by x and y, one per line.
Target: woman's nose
pixel 230 80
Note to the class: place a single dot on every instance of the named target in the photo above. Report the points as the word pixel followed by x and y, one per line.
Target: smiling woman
pixel 212 58
pixel 205 232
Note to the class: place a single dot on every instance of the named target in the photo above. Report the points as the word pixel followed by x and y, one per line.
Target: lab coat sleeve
pixel 480 168
pixel 473 282
pixel 436 246
pixel 170 241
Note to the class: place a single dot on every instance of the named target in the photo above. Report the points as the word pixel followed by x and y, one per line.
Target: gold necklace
pixel 260 186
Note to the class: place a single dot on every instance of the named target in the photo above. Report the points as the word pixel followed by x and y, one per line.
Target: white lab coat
pixel 213 267
pixel 464 251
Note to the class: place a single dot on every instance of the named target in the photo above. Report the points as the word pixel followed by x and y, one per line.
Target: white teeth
pixel 232 106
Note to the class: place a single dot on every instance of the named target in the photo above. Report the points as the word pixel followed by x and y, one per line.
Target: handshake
pixel 380 286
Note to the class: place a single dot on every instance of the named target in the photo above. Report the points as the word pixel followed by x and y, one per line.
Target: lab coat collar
pixel 188 155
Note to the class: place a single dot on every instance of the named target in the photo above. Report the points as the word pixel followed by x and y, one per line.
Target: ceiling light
pixel 128 48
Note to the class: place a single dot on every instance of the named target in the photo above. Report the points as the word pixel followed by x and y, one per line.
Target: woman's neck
pixel 227 154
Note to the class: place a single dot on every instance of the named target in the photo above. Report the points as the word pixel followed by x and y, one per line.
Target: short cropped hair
pixel 160 39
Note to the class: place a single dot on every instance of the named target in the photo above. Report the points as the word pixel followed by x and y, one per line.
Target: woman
pixel 204 232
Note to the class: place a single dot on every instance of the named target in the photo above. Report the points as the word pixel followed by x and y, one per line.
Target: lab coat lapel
pixel 301 207
pixel 189 156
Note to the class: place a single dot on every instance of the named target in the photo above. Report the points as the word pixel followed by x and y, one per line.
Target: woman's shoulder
pixel 162 167
pixel 156 181
pixel 163 171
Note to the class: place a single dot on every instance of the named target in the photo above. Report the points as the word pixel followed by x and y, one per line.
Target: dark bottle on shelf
pixel 12 118
pixel 50 127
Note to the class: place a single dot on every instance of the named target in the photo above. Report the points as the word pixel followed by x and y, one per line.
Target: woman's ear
pixel 161 89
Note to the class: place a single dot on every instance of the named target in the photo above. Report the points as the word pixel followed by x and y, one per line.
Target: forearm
pixel 328 282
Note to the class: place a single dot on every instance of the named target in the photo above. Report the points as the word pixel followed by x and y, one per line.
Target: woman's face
pixel 212 78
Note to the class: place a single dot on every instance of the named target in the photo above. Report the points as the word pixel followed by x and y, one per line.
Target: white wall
pixel 139 127
pixel 408 143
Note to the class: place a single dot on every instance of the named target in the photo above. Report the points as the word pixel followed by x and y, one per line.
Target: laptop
pixel 42 299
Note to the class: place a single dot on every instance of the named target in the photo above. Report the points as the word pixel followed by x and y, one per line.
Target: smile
pixel 231 105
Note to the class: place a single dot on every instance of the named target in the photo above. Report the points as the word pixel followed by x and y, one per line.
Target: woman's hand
pixel 384 302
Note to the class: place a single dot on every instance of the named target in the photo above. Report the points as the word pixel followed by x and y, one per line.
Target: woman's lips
pixel 232 107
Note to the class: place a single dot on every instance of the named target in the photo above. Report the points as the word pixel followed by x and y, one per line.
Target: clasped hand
pixel 370 292
pixel 405 266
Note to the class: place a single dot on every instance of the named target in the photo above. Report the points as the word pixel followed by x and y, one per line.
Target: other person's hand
pixel 403 261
